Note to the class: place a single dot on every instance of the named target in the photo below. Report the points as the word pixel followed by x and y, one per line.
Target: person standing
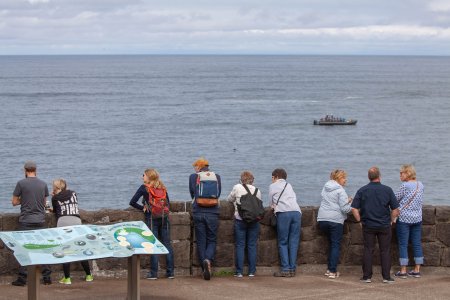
pixel 65 207
pixel 333 211
pixel 205 188
pixel 31 194
pixel 376 206
pixel 284 202
pixel 156 210
pixel 244 233
pixel 409 223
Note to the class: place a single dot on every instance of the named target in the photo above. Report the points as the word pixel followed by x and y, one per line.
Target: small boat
pixel 332 120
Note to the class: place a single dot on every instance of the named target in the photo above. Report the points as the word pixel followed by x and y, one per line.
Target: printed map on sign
pixel 81 242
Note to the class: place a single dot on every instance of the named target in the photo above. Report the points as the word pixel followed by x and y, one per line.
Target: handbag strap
pixel 412 198
pixel 281 193
pixel 248 191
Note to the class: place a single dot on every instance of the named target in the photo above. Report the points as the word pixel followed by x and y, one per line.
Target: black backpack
pixel 251 208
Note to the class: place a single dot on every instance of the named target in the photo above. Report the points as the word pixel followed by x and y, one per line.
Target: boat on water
pixel 332 120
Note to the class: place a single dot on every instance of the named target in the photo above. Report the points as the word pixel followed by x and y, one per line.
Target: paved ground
pixel 309 284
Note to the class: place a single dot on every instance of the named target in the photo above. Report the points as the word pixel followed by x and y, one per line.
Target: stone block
pixel 354 255
pixel 226 210
pixel 446 258
pixel 109 264
pixel 267 233
pixel 356 235
pixel 181 218
pixel 308 216
pixel 443 233
pixel 181 254
pixel 428 233
pixel 180 206
pixel 224 255
pixel 111 216
pixel 180 232
pixel 309 233
pixel 87 217
pixel 428 215
pixel 443 214
pixel 267 253
pixel 8 263
pixel 10 222
pixel 136 215
pixel 225 233
pixel 432 254
pixel 313 252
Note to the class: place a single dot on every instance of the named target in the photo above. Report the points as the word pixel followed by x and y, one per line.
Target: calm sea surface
pixel 99 121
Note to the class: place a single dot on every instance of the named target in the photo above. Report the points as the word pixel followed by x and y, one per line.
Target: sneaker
pixel 333 275
pixel 365 280
pixel 89 278
pixel 414 274
pixel 282 274
pixel 292 272
pixel 151 277
pixel 238 275
pixel 327 273
pixel 170 276
pixel 65 280
pixel 251 274
pixel 389 280
pixel 401 275
pixel 48 281
pixel 19 282
pixel 206 269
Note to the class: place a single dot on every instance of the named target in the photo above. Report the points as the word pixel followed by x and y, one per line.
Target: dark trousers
pixel 384 242
pixel 161 230
pixel 46 271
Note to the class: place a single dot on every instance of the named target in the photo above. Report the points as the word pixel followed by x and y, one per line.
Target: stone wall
pixel 313 245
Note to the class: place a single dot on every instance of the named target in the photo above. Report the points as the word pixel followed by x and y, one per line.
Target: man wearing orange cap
pixel 205 188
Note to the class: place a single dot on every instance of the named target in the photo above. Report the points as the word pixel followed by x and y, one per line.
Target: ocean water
pixel 99 121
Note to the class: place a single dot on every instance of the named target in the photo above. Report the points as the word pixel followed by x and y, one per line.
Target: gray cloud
pixel 196 26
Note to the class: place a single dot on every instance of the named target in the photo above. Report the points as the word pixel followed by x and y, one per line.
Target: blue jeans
pixel 161 230
pixel 246 233
pixel 205 226
pixel 409 232
pixel 334 233
pixel 288 231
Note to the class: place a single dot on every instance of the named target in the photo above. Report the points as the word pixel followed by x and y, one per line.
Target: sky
pixel 304 27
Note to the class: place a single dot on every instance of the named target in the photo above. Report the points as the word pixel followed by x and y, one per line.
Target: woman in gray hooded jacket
pixel 333 211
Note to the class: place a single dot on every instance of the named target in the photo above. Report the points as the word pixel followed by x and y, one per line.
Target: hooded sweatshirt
pixel 334 206
pixel 65 204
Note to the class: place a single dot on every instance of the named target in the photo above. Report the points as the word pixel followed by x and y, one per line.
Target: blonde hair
pixel 59 185
pixel 338 174
pixel 247 177
pixel 153 179
pixel 201 163
pixel 409 170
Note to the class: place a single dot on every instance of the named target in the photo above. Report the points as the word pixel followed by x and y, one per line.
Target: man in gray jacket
pixel 31 194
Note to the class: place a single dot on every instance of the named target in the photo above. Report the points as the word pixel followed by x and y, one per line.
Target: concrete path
pixel 309 284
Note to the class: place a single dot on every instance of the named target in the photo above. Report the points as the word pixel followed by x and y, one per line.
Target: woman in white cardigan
pixel 333 211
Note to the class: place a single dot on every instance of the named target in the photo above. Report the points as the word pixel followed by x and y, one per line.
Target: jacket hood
pixel 62 196
pixel 331 185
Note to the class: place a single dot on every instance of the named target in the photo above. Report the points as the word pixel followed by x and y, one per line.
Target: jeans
pixel 46 271
pixel 288 231
pixel 334 232
pixel 161 230
pixel 246 233
pixel 384 242
pixel 205 226
pixel 409 232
